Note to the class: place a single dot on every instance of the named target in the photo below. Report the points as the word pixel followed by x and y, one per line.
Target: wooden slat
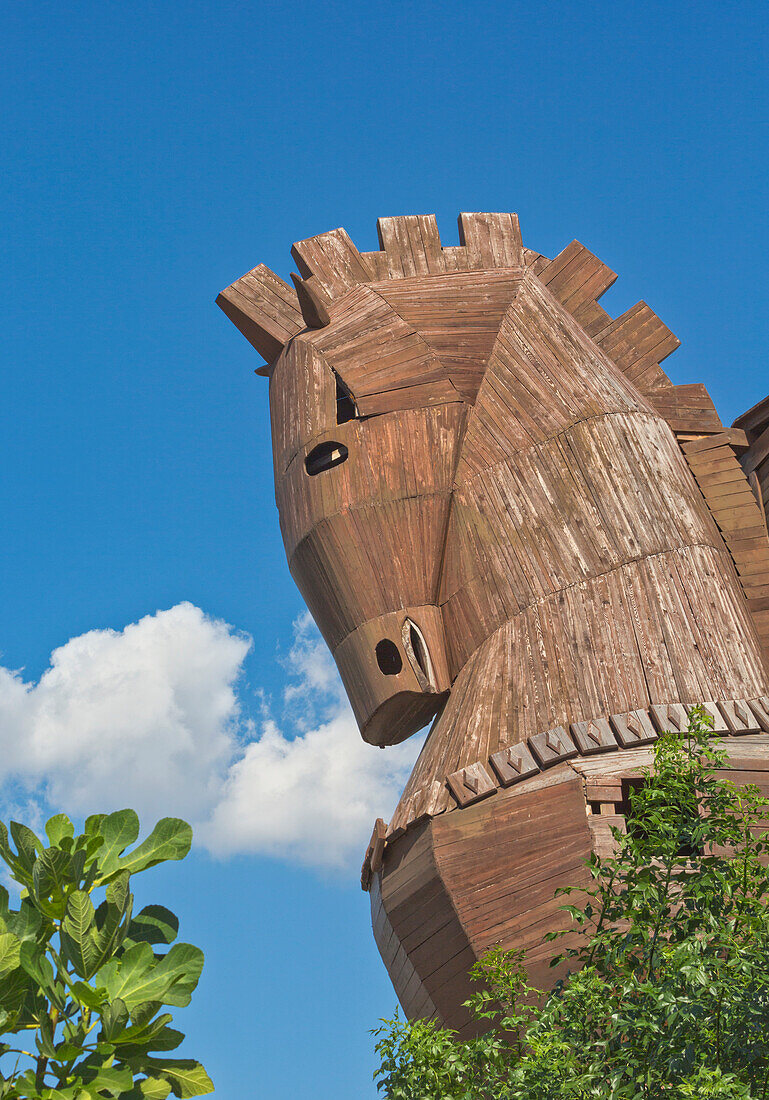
pixel 740 518
pixel 638 341
pixel 458 316
pixel 687 408
pixel 264 308
pixel 412 245
pixel 577 278
pixel 377 354
pixel 755 419
pixel 732 437
pixel 758 453
pixel 334 260
pixel 491 241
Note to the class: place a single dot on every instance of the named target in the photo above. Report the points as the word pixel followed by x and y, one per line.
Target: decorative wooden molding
pixel 613 733
pixel 552 746
pixel 471 784
pixel 670 716
pixel 719 722
pixel 740 717
pixel 593 736
pixel 513 764
pixel 634 728
pixel 760 708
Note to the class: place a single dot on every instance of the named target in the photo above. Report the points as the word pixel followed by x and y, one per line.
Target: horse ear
pixel 265 309
pixel 312 301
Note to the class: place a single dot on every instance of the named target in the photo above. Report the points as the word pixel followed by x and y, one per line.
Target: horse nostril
pixel 388 657
pixel 324 457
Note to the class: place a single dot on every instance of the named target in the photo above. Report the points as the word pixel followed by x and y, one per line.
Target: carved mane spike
pixel 411 245
pixel 334 260
pixel 264 308
pixel 312 301
pixel 491 240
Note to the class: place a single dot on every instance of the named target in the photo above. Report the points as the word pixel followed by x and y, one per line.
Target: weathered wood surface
pixel 458 884
pixel 502 512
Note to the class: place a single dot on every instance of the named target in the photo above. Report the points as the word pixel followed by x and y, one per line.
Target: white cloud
pixel 150 717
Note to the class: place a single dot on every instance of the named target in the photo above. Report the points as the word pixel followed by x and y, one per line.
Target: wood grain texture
pixel 503 513
pixel 740 517
pixel 264 308
pixel 459 884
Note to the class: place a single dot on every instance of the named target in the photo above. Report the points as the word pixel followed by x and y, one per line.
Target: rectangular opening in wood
pixel 345 405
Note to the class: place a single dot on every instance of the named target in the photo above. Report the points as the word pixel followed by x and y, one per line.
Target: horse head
pixel 502 513
pixel 475 465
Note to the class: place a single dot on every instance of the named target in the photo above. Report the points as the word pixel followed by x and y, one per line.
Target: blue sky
pixel 152 153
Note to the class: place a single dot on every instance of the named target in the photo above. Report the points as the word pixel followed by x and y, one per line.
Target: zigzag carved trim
pixel 268 312
pixel 610 733
pixel 740 518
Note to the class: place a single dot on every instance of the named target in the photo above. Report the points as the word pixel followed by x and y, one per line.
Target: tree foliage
pixel 85 981
pixel 668 994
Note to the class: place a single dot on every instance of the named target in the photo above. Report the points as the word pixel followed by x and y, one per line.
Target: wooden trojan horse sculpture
pixel 501 511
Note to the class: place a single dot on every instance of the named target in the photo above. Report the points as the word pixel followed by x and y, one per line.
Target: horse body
pixel 500 511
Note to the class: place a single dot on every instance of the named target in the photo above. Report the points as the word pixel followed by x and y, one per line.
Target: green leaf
pixel 87 995
pixel 155 1088
pixel 57 828
pixel 9 953
pixel 44 1037
pixel 113 917
pixel 139 976
pixel 119 830
pixel 35 963
pixel 51 874
pixel 187 1078
pixel 94 823
pixel 78 934
pixel 170 839
pixel 27 845
pixel 153 1035
pixel 14 989
pixel 111 1080
pixel 114 1017
pixel 26 922
pixel 154 924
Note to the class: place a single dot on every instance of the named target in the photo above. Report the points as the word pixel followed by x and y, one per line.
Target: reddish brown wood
pixel 502 513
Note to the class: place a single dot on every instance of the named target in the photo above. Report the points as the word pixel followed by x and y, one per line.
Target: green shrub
pixel 83 980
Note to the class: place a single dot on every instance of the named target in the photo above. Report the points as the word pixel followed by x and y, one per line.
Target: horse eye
pixel 324 457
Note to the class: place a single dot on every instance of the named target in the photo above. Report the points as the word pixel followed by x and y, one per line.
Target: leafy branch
pixel 83 974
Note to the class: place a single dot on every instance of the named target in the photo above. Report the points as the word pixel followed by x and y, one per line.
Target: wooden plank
pixel 732 437
pixel 412 245
pixel 757 454
pixel 687 408
pixel 491 240
pixel 264 308
pixel 334 260
pixel 755 419
pixel 638 341
pixel 577 276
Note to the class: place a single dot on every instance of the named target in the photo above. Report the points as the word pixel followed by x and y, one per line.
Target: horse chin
pixel 401 716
